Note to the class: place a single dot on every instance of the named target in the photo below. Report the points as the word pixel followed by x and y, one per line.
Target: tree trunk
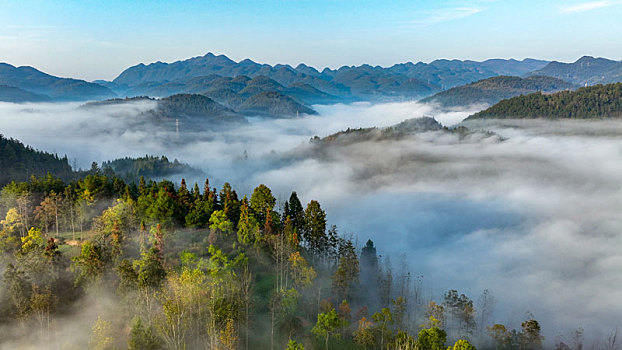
pixel 56 214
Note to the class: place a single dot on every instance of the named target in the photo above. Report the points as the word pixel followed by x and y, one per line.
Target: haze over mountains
pixel 234 90
pixel 406 80
pixel 35 86
pixel 586 70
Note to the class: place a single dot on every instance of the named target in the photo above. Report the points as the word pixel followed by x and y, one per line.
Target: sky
pixel 98 39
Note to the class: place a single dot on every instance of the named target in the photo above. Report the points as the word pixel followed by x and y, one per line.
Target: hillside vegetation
pixel 600 101
pixel 495 89
pixel 132 169
pixel 157 266
pixel 19 162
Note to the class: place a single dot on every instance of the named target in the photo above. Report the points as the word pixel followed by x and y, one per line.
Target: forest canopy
pixel 191 268
pixel 599 101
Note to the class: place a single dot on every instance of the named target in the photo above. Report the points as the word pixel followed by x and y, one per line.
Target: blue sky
pixel 97 39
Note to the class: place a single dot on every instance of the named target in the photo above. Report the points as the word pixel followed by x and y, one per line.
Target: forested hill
pixel 165 267
pixel 150 167
pixel 19 162
pixel 495 89
pixel 599 101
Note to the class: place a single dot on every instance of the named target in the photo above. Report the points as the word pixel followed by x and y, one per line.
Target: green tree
pixel 17 285
pixel 383 319
pixel 102 337
pixel 262 202
pixel 142 338
pixel 432 338
pixel 347 273
pixel 315 229
pixel 327 325
pixel 150 271
pixel 294 345
pixel 162 208
pixel 201 211
pixel 248 228
pixel 219 222
pixel 462 344
pixel 364 336
pixel 89 265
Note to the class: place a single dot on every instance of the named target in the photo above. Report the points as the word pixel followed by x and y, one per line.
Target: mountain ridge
pixel 37 82
pixel 364 82
pixel 492 90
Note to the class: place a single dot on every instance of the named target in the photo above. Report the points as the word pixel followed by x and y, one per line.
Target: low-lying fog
pixel 536 219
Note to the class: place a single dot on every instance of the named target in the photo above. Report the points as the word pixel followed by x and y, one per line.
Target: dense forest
pixel 132 169
pixel 18 162
pixel 599 101
pixel 156 266
pixel 495 89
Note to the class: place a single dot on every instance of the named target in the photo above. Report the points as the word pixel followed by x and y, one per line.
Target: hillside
pixel 586 70
pixel 19 162
pixel 407 127
pixel 272 103
pixel 193 111
pixel 495 89
pixel 60 89
pixel 599 101
pixel 16 95
pixel 150 167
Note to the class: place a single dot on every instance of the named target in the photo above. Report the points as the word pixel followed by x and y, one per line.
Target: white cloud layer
pixel 536 218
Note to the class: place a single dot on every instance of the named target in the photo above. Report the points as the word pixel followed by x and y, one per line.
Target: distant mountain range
pixel 17 95
pixel 586 70
pixel 250 88
pixel 365 82
pixel 599 101
pixel 31 85
pixel 492 90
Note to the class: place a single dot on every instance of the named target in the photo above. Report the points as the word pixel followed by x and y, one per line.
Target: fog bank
pixel 535 218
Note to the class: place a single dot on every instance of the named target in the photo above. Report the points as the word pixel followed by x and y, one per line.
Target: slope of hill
pixel 131 169
pixel 19 162
pixel 61 89
pixel 352 136
pixel 586 70
pixel 599 101
pixel 321 146
pixel 495 89
pixel 272 103
pixel 193 111
pixel 16 95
